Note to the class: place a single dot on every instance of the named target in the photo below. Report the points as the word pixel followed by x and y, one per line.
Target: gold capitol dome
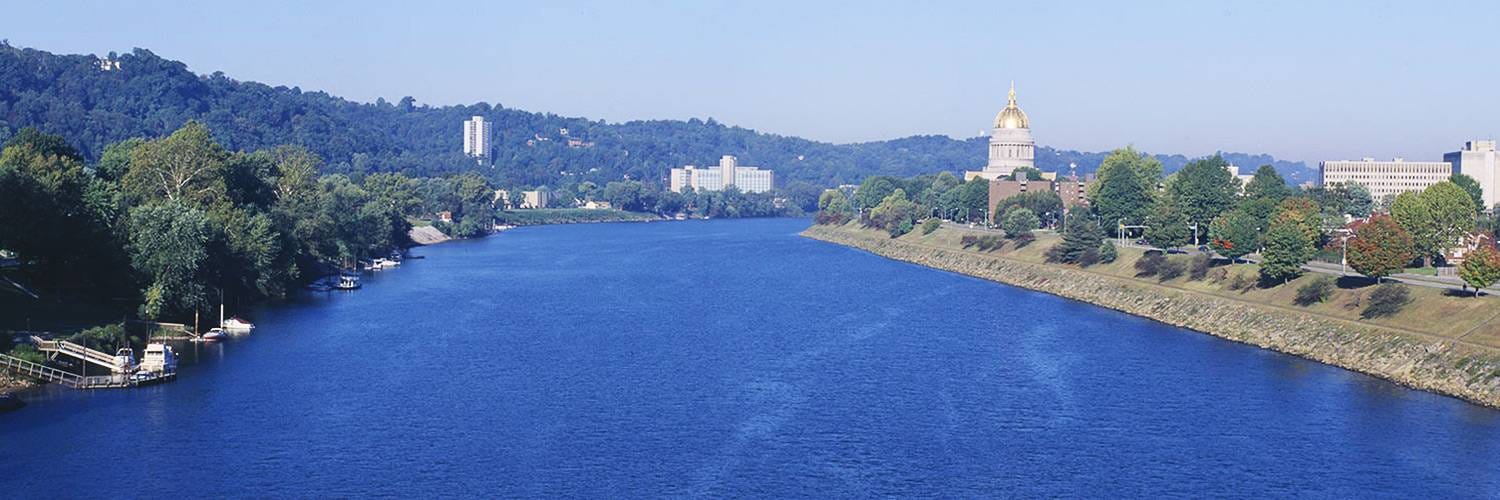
pixel 1012 116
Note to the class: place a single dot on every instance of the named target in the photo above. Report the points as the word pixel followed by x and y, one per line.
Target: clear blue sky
pixel 1303 80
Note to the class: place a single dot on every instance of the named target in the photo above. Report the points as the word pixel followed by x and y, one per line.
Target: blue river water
pixel 733 358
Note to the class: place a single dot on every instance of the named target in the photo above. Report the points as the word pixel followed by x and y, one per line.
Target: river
pixel 733 358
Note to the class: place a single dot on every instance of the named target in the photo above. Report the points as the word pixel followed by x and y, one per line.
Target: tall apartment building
pixel 1478 159
pixel 716 178
pixel 477 137
pixel 1385 178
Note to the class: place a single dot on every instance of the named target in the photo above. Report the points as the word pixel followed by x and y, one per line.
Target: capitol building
pixel 1011 145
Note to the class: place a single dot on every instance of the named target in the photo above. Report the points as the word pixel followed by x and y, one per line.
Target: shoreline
pixel 1406 358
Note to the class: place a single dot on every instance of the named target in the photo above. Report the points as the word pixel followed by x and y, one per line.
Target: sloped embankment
pixel 1464 371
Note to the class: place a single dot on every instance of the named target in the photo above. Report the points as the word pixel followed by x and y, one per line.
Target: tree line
pixel 1204 204
pixel 171 224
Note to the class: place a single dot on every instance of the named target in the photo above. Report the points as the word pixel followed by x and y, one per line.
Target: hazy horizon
pixel 1300 82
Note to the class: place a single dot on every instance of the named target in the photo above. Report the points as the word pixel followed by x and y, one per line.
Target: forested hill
pixel 144 95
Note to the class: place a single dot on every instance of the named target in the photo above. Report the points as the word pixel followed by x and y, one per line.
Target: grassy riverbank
pixel 1439 341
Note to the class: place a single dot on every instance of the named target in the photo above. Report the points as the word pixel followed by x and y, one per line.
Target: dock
pixel 49 374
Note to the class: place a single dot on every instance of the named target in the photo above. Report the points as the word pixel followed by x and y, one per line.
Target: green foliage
pixel 1124 186
pixel 1170 269
pixel 1267 184
pixel 1470 186
pixel 1027 173
pixel 1386 300
pixel 1481 268
pixel 169 246
pixel 833 207
pixel 1019 222
pixel 1203 190
pixel 1436 218
pixel 1198 267
pixel 930 225
pixel 1315 291
pixel 1108 253
pixel 1167 226
pixel 1380 247
pixel 1288 247
pixel 873 190
pixel 1080 244
pixel 1046 205
pixel 896 214
pixel 1234 234
pixel 28 352
pixel 1149 264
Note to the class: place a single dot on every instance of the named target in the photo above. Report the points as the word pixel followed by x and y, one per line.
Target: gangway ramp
pixel 55 347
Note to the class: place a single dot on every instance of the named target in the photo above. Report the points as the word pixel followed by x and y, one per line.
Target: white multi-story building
pixel 535 199
pixel 477 137
pixel 727 173
pixel 1385 178
pixel 1478 160
pixel 1011 144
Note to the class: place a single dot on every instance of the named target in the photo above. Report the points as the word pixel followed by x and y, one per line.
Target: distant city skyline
pixel 1322 81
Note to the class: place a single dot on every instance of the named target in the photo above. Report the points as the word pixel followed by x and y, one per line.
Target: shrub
pixel 1218 275
pixel 1149 264
pixel 931 225
pixel 968 240
pixel 1386 300
pixel 1107 253
pixel 1315 291
pixel 988 242
pixel 1198 267
pixel 1024 240
pixel 1055 254
pixel 900 228
pixel 1170 269
pixel 28 353
pixel 1088 257
pixel 1242 282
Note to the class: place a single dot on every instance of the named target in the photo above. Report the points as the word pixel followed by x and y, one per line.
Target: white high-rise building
pixel 477 137
pixel 1478 160
pixel 1385 178
pixel 1011 144
pixel 727 173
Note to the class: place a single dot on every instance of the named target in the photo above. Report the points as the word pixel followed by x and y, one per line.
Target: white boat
pixel 347 282
pixel 160 358
pixel 214 335
pixel 237 324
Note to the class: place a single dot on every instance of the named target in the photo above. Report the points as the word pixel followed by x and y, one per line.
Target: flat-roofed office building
pixel 1385 178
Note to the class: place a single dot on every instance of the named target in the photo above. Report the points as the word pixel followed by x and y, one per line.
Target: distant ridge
pixel 95 101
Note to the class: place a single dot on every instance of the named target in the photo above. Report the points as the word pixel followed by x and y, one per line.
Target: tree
pixel 1288 247
pixel 872 191
pixel 1203 190
pixel 1435 218
pixel 1358 201
pixel 896 214
pixel 169 246
pixel 187 166
pixel 1167 227
pixel 1470 186
pixel 1081 240
pixel 1380 247
pixel 1124 186
pixel 1019 223
pixel 1234 234
pixel 974 198
pixel 1267 183
pixel 1027 173
pixel 1046 205
pixel 1481 268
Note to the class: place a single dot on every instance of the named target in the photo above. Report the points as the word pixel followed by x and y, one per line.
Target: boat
pixel 124 360
pixel 159 358
pixel 348 283
pixel 214 335
pixel 237 323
